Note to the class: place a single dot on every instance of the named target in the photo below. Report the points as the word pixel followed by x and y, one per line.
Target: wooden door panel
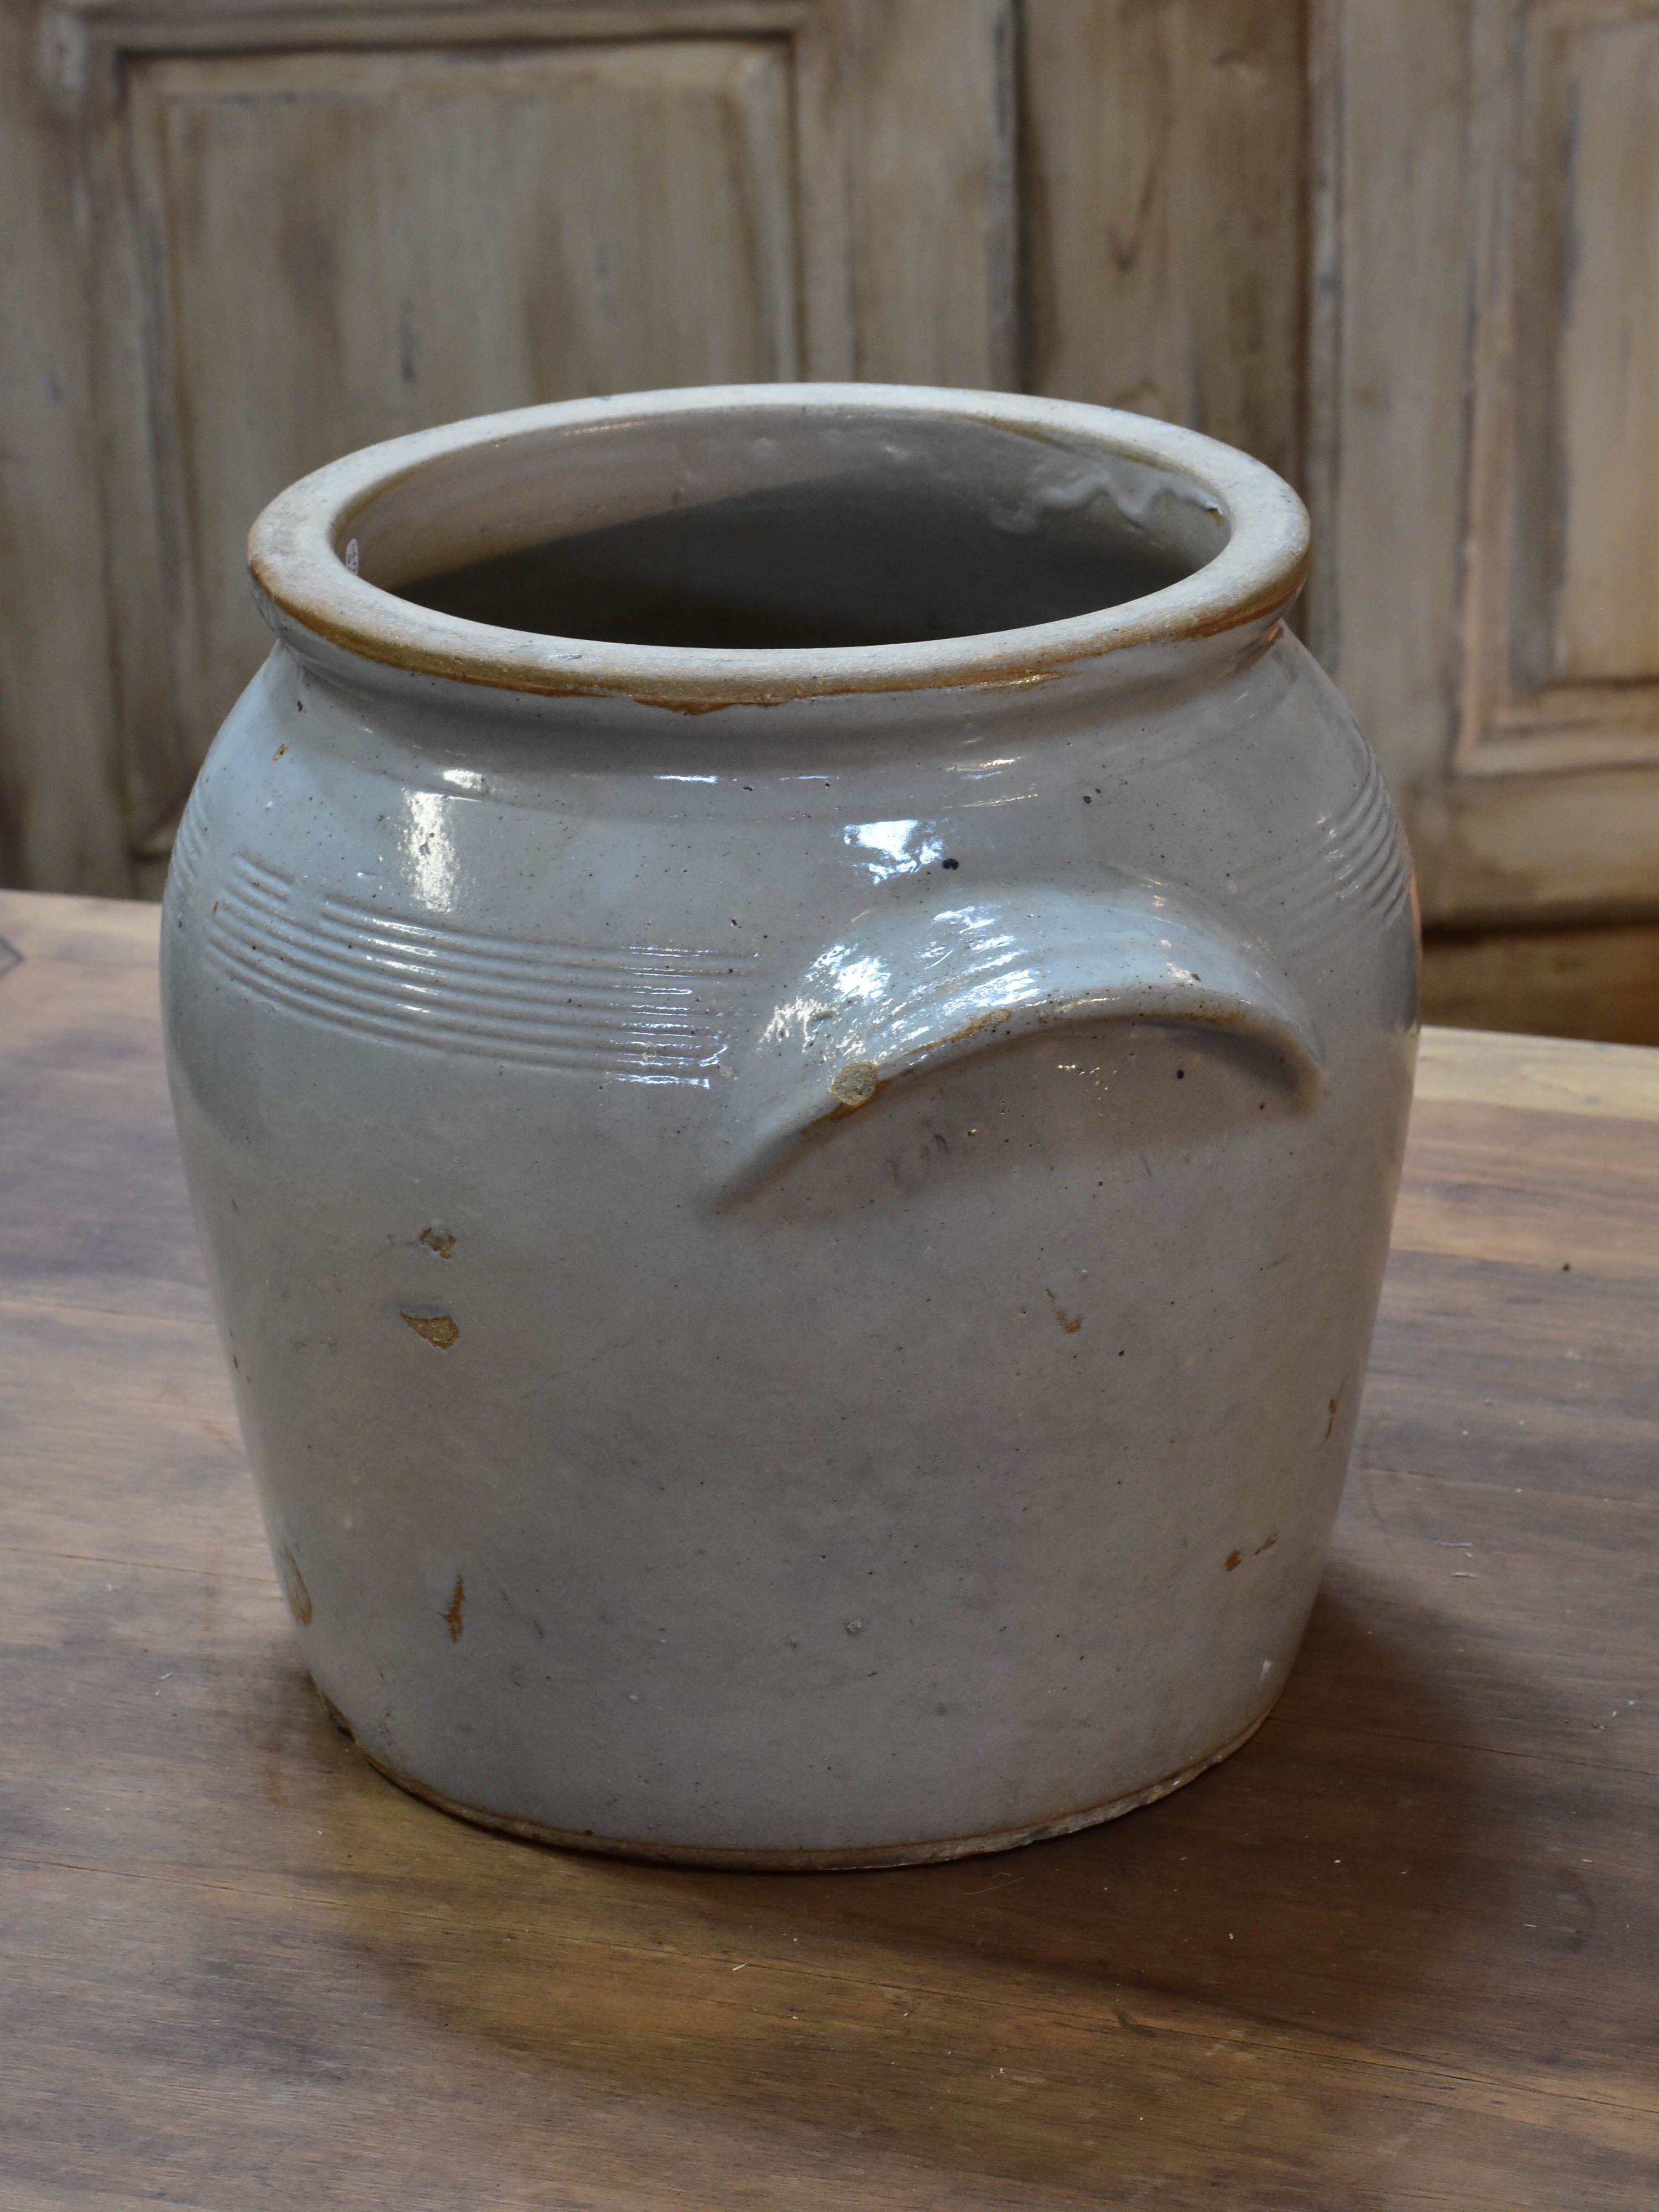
pixel 1562 620
pixel 341 247
pixel 1605 610
pixel 63 823
pixel 1487 437
pixel 1404 250
pixel 263 232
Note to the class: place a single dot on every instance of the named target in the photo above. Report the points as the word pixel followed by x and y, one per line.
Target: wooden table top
pixel 1402 1950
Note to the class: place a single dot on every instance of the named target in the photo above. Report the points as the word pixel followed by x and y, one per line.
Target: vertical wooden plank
pixel 1165 167
pixel 1606 623
pixel 61 821
pixel 1461 173
pixel 933 229
pixel 1564 627
pixel 1387 395
pixel 821 57
pixel 1318 615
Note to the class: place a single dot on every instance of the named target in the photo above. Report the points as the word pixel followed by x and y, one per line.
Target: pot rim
pixel 297 556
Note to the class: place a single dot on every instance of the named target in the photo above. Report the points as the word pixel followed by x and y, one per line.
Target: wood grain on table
pixel 1403 1950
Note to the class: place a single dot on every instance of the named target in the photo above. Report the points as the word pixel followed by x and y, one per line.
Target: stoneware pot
pixel 792 1013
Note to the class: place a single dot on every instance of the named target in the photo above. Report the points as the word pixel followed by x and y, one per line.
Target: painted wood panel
pixel 1562 625
pixel 1607 613
pixel 929 90
pixel 1388 453
pixel 61 818
pixel 1485 437
pixel 1405 250
pixel 254 233
pixel 343 247
pixel 1166 171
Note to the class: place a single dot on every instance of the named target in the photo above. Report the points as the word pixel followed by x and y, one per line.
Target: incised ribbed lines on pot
pixel 644 1013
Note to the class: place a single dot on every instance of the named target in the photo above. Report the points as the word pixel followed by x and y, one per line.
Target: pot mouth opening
pixel 870 533
pixel 748 545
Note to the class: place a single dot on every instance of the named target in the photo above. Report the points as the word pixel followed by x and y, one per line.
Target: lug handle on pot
pixel 912 992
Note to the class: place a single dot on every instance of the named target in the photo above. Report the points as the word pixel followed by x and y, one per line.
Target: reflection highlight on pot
pixel 429 852
pixel 895 848
pixel 839 978
pixel 969 952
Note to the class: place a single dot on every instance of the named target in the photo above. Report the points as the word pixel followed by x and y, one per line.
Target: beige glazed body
pixel 791 1011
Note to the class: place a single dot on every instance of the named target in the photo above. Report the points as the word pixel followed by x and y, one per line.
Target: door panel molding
pixel 1487 227
pixel 1562 624
pixel 864 245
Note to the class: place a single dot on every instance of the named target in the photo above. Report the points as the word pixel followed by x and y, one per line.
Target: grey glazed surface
pixel 798 1274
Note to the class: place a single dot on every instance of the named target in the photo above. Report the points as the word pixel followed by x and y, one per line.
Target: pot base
pixel 849 1859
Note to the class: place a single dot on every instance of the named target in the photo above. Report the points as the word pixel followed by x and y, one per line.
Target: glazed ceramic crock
pixel 792 1013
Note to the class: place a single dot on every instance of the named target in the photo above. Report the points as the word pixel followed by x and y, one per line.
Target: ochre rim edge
pixel 294 567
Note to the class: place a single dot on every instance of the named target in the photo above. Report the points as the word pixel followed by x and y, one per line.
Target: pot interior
pixel 775 530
